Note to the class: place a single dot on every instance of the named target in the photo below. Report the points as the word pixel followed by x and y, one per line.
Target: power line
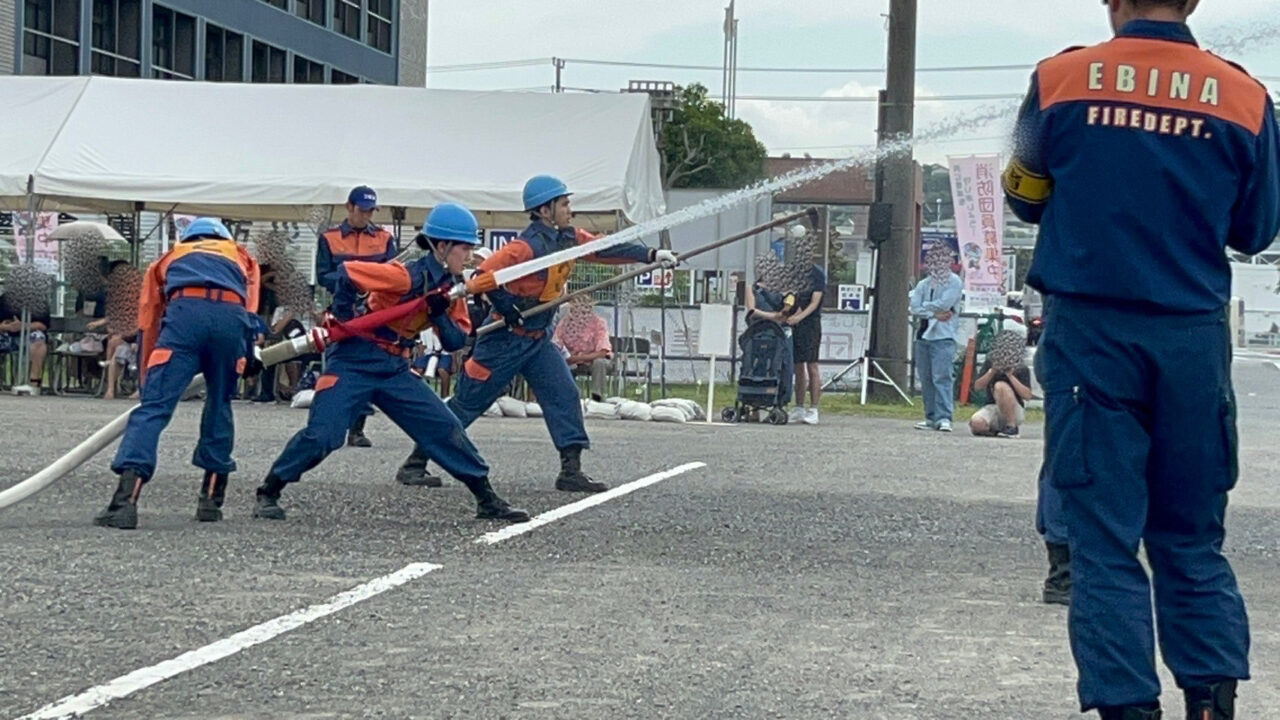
pixel 813 70
pixel 498 65
pixel 848 99
pixel 530 62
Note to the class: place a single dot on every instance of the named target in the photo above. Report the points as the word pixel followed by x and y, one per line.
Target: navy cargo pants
pixel 359 374
pixel 197 336
pixel 1141 440
pixel 498 357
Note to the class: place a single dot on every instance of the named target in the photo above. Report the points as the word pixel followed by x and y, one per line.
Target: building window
pixel 223 55
pixel 312 10
pixel 337 77
pixel 378 34
pixel 51 37
pixel 306 71
pixel 173 44
pixel 268 63
pixel 346 18
pixel 116 37
pixel 282 4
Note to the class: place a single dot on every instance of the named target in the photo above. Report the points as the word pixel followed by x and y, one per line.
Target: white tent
pixel 278 151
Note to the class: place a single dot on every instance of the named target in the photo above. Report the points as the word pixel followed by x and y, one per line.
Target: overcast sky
pixel 808 34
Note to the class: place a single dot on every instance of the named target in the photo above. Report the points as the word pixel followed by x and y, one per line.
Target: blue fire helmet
pixel 206 227
pixel 452 222
pixel 542 189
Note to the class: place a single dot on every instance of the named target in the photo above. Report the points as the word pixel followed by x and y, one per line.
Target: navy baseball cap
pixel 363 197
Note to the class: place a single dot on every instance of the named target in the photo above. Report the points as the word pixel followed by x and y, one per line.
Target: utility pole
pixel 892 330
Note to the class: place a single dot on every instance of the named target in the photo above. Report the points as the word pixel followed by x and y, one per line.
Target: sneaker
pixel 944 426
pixel 358 439
pixel 1009 432
pixel 797 414
pixel 811 417
pixel 925 425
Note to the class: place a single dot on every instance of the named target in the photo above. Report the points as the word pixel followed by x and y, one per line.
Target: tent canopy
pixel 280 152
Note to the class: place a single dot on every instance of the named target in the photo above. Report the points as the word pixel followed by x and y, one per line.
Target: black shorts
pixel 806 338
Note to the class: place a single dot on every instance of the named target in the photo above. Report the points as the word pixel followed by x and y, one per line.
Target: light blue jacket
pixel 927 299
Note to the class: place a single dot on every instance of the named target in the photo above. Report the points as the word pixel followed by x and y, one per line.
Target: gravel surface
pixel 854 569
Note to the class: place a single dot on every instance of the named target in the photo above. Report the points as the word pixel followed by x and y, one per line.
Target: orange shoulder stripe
pixel 374 277
pixel 1156 74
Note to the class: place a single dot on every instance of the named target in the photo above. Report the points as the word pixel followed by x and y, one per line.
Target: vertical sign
pixel 45 254
pixel 979 206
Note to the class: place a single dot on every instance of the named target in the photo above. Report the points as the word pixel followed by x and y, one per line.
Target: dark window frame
pixel 379 27
pixel 56 41
pixel 228 66
pixel 176 65
pixel 346 18
pixel 112 51
pixel 311 71
pixel 272 72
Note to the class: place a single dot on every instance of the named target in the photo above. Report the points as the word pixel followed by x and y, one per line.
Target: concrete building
pixel 304 41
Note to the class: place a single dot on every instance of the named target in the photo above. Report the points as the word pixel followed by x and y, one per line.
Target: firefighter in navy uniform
pixel 375 369
pixel 524 347
pixel 355 238
pixel 1143 159
pixel 195 313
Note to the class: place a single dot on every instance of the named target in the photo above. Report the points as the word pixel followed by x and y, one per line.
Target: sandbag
pixel 494 410
pixel 512 407
pixel 302 399
pixel 666 413
pixel 533 410
pixel 691 409
pixel 599 410
pixel 632 410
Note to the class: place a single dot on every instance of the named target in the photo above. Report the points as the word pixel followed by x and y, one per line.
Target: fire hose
pixel 363 326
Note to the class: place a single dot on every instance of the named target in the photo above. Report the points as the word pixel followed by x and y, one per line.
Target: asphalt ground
pixel 854 569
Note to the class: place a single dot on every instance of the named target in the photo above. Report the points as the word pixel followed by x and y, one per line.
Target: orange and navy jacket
pixel 339 244
pixel 541 239
pixel 214 264
pixel 390 284
pixel 1143 159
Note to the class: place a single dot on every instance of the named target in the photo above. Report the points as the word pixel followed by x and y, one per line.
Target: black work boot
pixel 355 436
pixel 268 507
pixel 413 471
pixel 1057 586
pixel 489 506
pixel 1212 702
pixel 212 492
pixel 571 478
pixel 1131 712
pixel 122 511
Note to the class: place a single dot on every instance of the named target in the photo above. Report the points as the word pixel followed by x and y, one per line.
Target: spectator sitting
pixel 1006 373
pixel 122 354
pixel 11 340
pixel 583 338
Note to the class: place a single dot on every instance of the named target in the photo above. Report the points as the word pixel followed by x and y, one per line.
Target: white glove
pixel 667 258
pixel 430 341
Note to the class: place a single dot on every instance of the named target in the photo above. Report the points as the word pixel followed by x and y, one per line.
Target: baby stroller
pixel 764 382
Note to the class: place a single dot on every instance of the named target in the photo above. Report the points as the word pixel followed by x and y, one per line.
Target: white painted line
pixel 96 697
pixel 551 516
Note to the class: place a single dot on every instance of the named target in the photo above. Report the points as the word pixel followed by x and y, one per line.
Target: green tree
pixel 703 148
